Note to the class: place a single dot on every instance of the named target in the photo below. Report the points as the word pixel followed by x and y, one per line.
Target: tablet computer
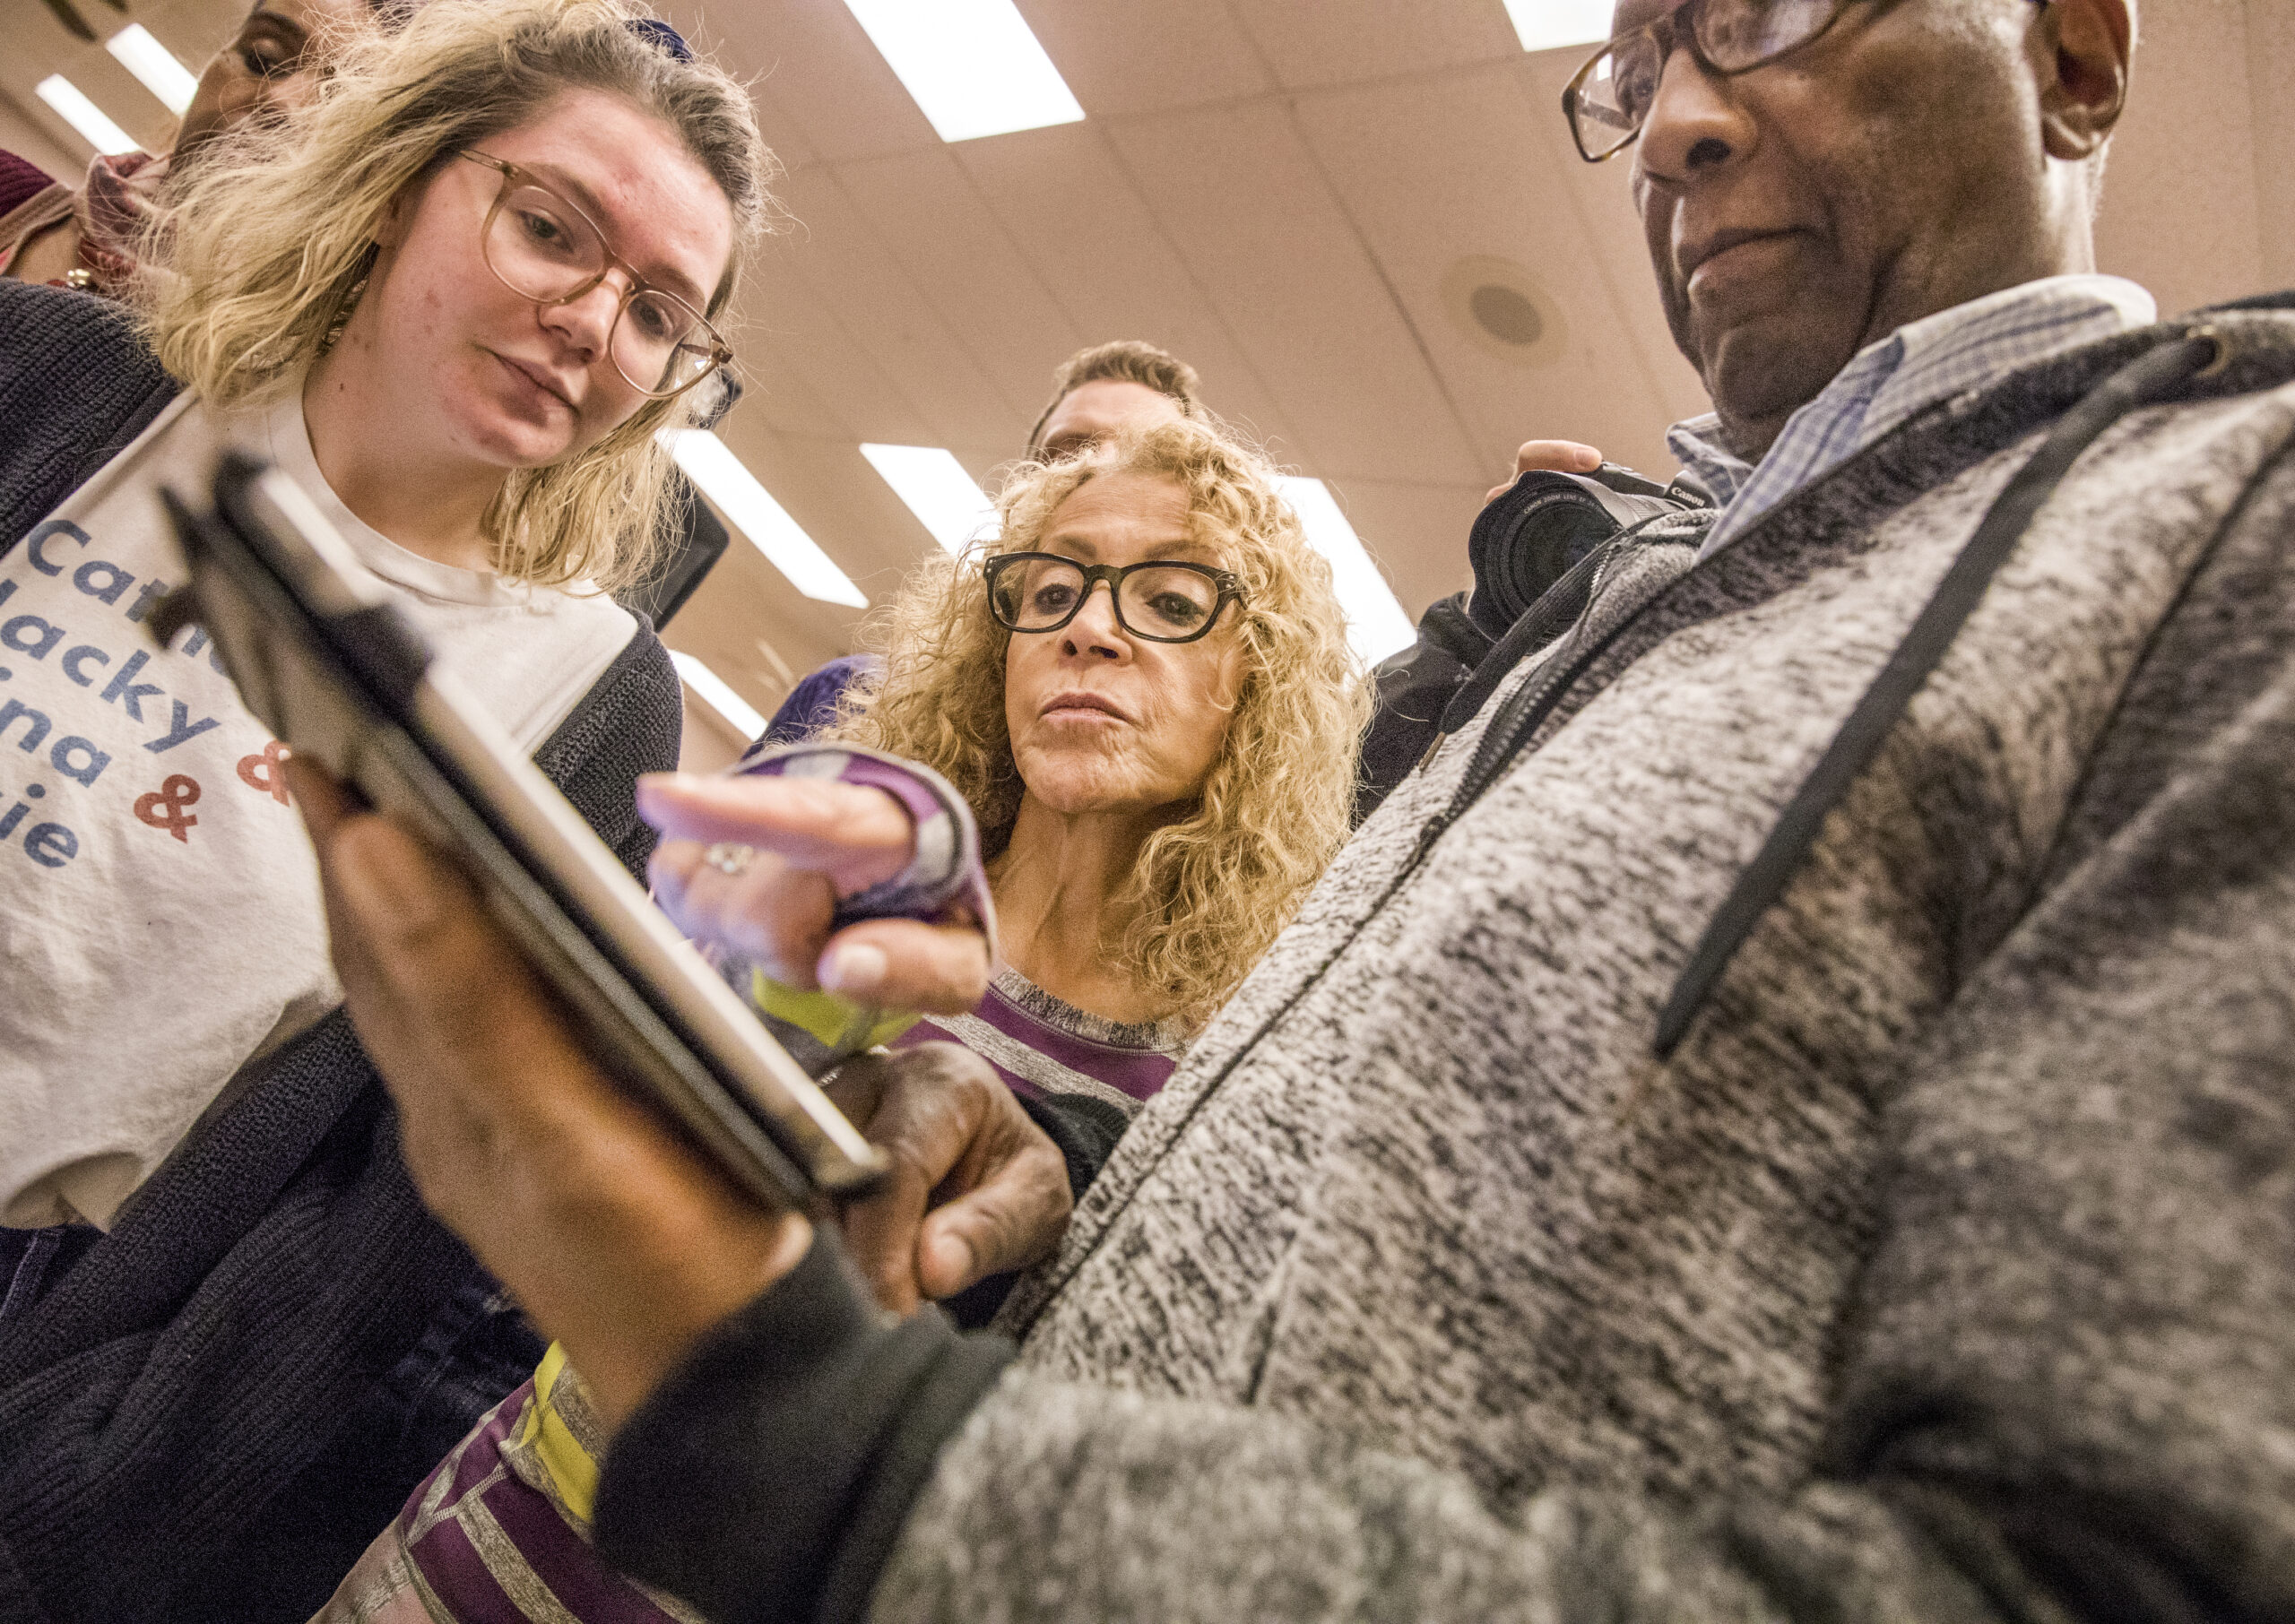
pixel 338 672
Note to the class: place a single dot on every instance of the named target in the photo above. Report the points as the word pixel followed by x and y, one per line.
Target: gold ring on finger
pixel 728 858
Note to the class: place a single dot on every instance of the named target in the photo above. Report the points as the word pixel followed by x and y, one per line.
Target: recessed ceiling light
pixel 718 695
pixel 1546 25
pixel 709 463
pixel 72 106
pixel 938 491
pixel 972 66
pixel 1376 625
pixel 155 65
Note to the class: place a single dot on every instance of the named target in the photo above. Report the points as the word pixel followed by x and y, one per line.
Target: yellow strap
pixel 546 1433
pixel 835 1020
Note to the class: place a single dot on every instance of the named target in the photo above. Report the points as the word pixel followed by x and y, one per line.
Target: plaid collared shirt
pixel 1919 364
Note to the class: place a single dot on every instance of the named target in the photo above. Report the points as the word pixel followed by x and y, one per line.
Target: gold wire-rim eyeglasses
pixel 514 176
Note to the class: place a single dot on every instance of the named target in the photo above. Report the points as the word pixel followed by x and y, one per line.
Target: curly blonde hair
pixel 271 236
pixel 1216 886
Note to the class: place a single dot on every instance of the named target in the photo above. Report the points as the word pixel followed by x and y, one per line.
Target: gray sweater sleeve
pixel 2061 1392
pixel 2060 1395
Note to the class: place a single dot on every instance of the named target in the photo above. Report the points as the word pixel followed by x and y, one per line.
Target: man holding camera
pixel 1786 1113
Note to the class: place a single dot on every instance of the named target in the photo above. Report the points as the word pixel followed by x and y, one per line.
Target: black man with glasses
pixel 1785 1113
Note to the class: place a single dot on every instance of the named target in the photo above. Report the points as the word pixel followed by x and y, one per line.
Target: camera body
pixel 1533 534
pixel 1527 539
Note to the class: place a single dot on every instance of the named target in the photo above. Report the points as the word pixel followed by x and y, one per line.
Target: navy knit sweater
pixel 217 1407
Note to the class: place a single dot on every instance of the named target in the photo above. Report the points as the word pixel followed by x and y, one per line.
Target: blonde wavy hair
pixel 271 236
pixel 1217 884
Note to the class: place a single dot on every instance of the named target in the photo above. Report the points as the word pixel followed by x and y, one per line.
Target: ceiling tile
pixel 837 499
pixel 880 309
pixel 1417 532
pixel 731 37
pixel 1092 242
pixel 24 133
pixel 807 374
pixel 1238 190
pixel 1432 179
pixel 822 77
pixel 2271 68
pixel 120 96
pixel 1122 59
pixel 2191 244
pixel 1313 42
pixel 923 206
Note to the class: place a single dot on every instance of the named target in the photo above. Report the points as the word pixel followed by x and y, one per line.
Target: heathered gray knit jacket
pixel 1947 1268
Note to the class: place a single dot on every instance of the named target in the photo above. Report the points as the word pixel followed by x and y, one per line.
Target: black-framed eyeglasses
pixel 542 247
pixel 1609 101
pixel 1163 600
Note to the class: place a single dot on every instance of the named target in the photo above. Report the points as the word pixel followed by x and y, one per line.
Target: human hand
pixel 977 1187
pixel 617 1239
pixel 815 842
pixel 1548 456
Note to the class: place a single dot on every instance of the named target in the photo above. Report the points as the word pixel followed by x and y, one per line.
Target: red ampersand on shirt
pixel 175 794
pixel 263 772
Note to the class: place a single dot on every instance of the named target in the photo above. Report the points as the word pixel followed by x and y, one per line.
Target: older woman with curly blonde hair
pixel 1140 695
pixel 1142 692
pixel 1153 809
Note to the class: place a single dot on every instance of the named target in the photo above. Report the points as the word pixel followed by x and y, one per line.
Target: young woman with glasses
pixel 1142 697
pixel 456 299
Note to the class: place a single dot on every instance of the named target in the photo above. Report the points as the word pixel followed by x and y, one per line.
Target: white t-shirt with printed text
pixel 159 913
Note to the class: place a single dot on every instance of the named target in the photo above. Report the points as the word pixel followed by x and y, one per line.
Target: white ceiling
pixel 1273 189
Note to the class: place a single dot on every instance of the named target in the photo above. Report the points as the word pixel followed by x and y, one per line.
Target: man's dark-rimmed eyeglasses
pixel 1608 99
pixel 1163 600
pixel 542 247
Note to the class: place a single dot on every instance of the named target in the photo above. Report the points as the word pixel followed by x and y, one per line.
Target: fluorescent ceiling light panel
pixel 1376 625
pixel 710 464
pixel 972 66
pixel 1546 25
pixel 155 65
pixel 938 491
pixel 719 696
pixel 85 115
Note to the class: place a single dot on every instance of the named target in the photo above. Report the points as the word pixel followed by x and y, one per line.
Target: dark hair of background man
pixel 1122 361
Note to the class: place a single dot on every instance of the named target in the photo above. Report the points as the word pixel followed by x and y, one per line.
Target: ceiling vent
pixel 1501 309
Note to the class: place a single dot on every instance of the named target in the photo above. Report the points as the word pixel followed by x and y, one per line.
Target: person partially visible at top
pixel 88 235
pixel 455 298
pixel 1094 391
pixel 1142 690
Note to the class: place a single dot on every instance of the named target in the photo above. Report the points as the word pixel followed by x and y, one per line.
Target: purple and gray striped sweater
pixel 490 1537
